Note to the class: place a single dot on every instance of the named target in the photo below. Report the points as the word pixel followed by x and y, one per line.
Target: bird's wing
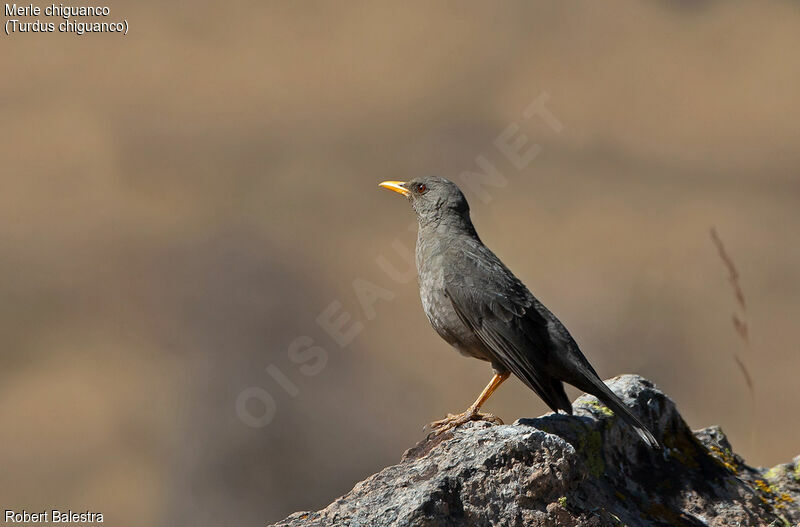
pixel 524 336
pixel 495 305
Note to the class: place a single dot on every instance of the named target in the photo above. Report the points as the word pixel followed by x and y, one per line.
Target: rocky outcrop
pixel 589 469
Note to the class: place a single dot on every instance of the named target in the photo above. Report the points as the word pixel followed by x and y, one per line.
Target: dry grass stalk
pixel 739 320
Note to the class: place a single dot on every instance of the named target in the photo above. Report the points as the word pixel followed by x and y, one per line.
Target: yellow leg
pixel 471 414
pixel 487 392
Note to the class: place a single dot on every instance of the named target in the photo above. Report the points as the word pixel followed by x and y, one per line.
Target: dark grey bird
pixel 479 307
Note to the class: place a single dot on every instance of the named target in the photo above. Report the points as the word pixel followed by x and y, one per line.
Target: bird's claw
pixel 453 420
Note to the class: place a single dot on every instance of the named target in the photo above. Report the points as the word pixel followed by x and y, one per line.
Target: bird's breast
pixel 439 309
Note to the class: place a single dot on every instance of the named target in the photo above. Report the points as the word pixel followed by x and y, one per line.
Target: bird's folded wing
pixel 517 335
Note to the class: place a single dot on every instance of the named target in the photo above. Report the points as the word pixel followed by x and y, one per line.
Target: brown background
pixel 179 204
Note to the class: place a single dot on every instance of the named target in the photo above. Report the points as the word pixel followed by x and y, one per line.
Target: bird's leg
pixel 472 413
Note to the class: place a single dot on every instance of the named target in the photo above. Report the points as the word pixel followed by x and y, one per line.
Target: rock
pixel 589 469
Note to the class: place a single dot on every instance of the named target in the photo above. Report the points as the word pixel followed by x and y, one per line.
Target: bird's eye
pixel 421 188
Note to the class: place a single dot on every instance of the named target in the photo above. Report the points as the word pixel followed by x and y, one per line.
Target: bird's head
pixel 432 198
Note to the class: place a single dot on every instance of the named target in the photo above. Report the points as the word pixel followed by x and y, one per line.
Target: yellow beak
pixel 396 186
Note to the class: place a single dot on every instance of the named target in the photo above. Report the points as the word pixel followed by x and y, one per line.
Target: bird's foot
pixel 453 420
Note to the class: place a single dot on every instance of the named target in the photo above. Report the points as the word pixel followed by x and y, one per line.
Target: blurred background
pixel 180 204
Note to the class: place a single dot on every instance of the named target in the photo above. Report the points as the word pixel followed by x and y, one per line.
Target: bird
pixel 478 306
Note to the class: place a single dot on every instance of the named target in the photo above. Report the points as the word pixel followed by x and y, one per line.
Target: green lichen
pixel 563 501
pixel 775 472
pixel 600 407
pixel 592 447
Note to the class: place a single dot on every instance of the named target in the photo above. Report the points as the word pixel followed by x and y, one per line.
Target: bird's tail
pixel 610 399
